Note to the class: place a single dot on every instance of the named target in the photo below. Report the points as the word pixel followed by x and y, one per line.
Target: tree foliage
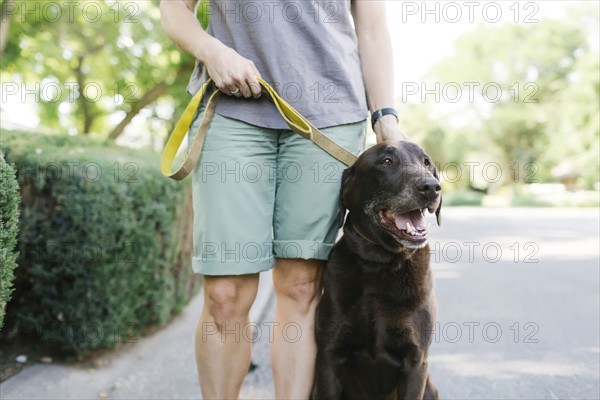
pixel 96 65
pixel 547 111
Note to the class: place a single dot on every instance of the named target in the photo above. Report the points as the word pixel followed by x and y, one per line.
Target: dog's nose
pixel 428 186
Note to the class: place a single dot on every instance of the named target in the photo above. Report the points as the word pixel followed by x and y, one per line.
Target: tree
pixel 547 105
pixel 95 65
pixel 5 5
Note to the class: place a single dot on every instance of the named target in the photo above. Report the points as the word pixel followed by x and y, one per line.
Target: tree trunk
pixel 152 95
pixel 4 25
pixel 88 118
pixel 148 98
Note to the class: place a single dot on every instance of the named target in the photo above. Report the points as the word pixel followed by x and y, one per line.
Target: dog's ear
pixel 438 210
pixel 346 175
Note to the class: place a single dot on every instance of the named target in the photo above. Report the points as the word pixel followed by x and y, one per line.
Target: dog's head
pixel 387 191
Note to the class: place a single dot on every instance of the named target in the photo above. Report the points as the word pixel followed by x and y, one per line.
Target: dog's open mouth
pixel 408 226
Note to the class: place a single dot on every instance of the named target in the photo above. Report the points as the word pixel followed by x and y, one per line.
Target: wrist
pixel 385 124
pixel 387 121
pixel 384 116
pixel 206 49
pixel 389 130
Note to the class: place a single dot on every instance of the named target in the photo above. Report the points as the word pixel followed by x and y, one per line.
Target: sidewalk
pixel 159 366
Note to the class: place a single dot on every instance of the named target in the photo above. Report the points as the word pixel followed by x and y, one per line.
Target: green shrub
pixel 522 200
pixel 9 224
pixel 463 198
pixel 105 241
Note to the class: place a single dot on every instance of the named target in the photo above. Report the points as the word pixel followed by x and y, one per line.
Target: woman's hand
pixel 232 73
pixel 387 128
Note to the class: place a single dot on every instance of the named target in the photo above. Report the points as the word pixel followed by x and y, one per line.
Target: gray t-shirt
pixel 306 49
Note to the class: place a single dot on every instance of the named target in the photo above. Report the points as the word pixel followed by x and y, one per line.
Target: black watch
pixel 375 115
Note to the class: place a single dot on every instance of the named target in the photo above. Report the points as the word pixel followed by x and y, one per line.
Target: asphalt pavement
pixel 519 318
pixel 519 304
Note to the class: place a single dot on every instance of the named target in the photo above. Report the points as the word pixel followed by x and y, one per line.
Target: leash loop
pixel 294 120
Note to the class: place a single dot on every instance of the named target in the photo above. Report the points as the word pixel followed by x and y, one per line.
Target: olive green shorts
pixel 262 193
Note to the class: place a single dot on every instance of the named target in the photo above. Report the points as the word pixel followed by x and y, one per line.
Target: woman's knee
pixel 229 298
pixel 298 283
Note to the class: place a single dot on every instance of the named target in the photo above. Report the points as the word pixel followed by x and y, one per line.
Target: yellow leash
pixel 292 118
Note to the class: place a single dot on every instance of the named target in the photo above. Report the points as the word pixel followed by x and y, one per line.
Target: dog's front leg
pixel 327 385
pixel 431 392
pixel 417 378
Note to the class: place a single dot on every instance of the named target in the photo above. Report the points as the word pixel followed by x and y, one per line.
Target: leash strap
pixel 292 118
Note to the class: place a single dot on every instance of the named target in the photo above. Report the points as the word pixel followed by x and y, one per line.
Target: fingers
pixel 244 84
pixel 254 86
pixel 233 74
pixel 229 87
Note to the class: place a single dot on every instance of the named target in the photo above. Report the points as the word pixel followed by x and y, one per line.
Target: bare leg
pixel 222 348
pixel 293 351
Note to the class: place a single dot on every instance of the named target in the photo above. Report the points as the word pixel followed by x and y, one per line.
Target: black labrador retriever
pixel 375 321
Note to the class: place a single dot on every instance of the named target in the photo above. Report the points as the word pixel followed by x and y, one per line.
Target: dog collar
pixel 361 235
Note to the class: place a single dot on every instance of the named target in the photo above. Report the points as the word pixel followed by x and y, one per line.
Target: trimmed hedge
pixel 105 242
pixel 9 224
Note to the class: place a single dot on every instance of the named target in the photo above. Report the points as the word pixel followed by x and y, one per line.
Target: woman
pixel 263 196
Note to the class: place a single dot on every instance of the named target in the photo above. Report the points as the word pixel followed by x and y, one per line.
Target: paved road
pixel 519 318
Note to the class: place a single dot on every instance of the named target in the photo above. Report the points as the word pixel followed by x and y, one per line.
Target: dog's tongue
pixel 415 218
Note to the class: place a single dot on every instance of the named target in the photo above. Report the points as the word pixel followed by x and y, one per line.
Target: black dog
pixel 375 321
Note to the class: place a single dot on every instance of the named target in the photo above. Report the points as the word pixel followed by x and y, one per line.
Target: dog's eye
pixel 427 162
pixel 387 161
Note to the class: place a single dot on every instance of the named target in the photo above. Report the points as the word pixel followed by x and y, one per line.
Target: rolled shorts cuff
pixel 219 267
pixel 304 249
